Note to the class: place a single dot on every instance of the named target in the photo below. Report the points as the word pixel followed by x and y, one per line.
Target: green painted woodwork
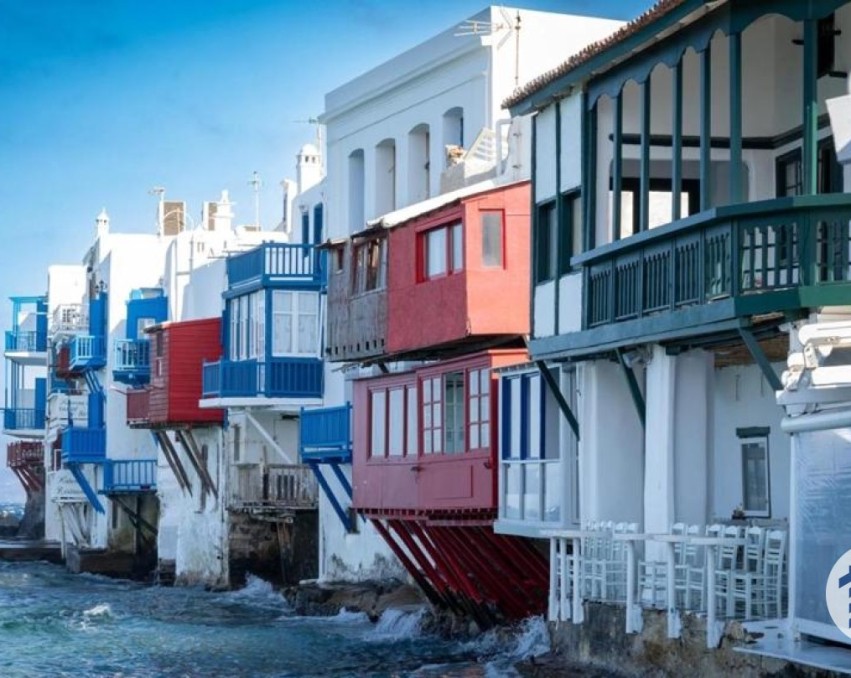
pixel 644 217
pixel 677 142
pixel 617 167
pixel 760 358
pixel 705 128
pixel 735 46
pixel 634 390
pixel 551 383
pixel 810 102
pixel 690 277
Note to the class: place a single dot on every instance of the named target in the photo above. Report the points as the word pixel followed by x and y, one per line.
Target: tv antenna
pixel 512 25
pixel 255 184
pixel 314 121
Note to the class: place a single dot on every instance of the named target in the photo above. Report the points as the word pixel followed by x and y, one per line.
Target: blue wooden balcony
pixel 23 419
pixel 325 435
pixel 88 352
pixel 706 273
pixel 294 265
pixel 132 362
pixel 26 341
pixel 277 378
pixel 83 445
pixel 129 476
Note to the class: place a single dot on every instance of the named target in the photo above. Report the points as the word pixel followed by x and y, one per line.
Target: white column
pixel 660 399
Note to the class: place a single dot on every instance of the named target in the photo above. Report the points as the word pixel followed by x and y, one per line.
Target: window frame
pixel 295 312
pixel 453 235
pixel 546 241
pixel 369 265
pixel 748 437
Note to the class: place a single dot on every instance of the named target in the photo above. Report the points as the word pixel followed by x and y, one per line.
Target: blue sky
pixel 100 100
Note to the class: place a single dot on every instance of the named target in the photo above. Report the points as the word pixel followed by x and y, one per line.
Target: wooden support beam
pixel 735 43
pixel 617 167
pixel 761 359
pixel 810 104
pixel 187 440
pixel 644 158
pixel 551 383
pixel 706 128
pixel 171 456
pixel 677 143
pixel 422 581
pixel 269 439
pixel 634 390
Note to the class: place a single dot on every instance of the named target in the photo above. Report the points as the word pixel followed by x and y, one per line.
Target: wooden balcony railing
pixel 275 486
pixel 276 378
pixel 129 476
pixel 83 445
pixel 24 453
pixel 777 254
pixel 295 263
pixel 326 434
pixel 88 351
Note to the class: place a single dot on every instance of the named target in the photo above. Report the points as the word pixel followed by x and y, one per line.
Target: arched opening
pixel 418 163
pixel 356 190
pixel 385 177
pixel 453 129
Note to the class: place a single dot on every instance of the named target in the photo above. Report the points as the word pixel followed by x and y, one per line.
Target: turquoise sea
pixel 53 623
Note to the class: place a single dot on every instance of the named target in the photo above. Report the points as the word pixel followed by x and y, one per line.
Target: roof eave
pixel 601 61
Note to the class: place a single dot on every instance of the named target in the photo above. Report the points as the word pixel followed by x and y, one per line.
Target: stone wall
pixel 32 524
pixel 277 551
pixel 602 643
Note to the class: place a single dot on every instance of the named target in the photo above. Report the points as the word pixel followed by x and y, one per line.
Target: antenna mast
pixel 255 184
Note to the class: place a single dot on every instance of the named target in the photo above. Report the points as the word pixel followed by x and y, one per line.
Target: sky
pixel 101 100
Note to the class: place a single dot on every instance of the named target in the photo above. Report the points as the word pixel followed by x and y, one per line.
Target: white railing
pixel 723 571
pixel 275 486
pixel 69 318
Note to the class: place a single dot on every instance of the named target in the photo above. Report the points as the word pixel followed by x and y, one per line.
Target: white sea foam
pixel 259 593
pixel 397 624
pixel 349 617
pixel 99 610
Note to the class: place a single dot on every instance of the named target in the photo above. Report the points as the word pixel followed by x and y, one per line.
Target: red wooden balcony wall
pixel 478 301
pixel 175 387
pixel 435 481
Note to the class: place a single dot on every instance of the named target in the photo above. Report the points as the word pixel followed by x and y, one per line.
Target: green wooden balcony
pixel 712 270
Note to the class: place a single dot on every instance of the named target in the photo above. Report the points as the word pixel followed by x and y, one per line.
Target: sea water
pixel 53 623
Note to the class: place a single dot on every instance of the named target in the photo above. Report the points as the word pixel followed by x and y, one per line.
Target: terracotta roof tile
pixel 658 10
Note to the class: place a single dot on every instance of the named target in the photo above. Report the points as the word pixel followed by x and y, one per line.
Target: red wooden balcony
pixel 455 279
pixel 26 460
pixel 177 353
pixel 426 440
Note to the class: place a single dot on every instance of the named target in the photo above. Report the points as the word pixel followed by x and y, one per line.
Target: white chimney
pixel 308 167
pixel 102 223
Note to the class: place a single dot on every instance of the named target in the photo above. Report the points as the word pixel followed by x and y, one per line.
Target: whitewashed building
pixel 688 214
pixel 401 139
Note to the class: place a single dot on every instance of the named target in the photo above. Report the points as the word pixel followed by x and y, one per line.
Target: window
pixel 789 174
pixel 756 494
pixel 432 416
pixel 442 251
pixel 243 327
pixel 546 245
pixel 317 223
pixel 305 227
pixel 295 323
pixel 233 334
pixel 141 325
pixel 369 265
pixel 660 210
pixel 479 407
pixel 257 347
pixel 570 230
pixel 396 423
pixel 378 428
pixel 453 398
pixel 339 259
pixel 492 239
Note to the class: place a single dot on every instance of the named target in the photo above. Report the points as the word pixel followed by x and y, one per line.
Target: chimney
pixel 308 167
pixel 102 224
pixel 221 219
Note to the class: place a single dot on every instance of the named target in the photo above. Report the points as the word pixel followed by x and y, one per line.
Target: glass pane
pixel 491 238
pixel 534 417
pixel 436 252
pixel 755 467
pixel 485 435
pixel 308 303
pixel 457 248
pixel 474 382
pixel 413 433
pixel 437 444
pixel 485 381
pixel 474 410
pixel 514 438
pixel 532 494
pixel 426 390
pixel 454 412
pixel 552 492
pixel 378 445
pixel 396 423
pixel 282 301
pixel 511 500
pixel 307 335
pixel 474 437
